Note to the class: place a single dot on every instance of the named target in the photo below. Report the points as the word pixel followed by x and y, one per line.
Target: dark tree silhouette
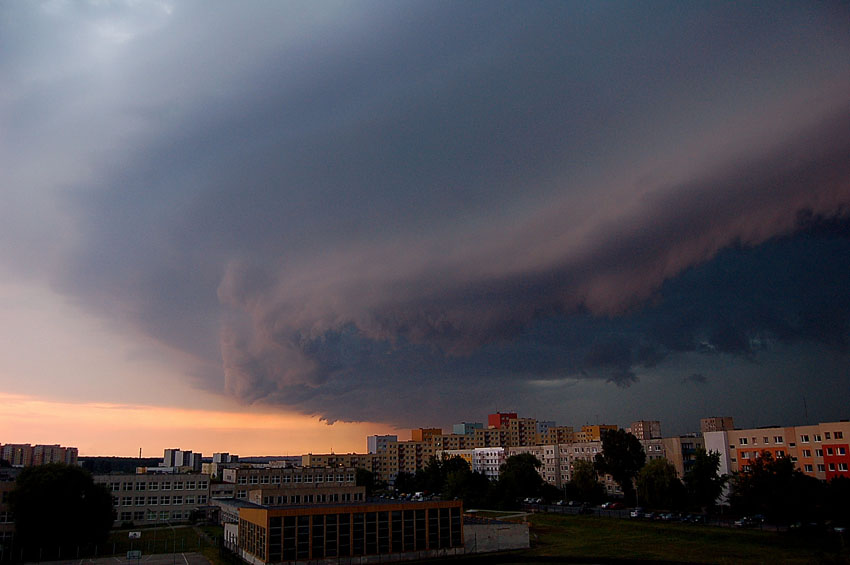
pixel 622 457
pixel 703 480
pixel 59 505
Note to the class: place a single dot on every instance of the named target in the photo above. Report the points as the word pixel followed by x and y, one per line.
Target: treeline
pixel 451 478
pixel 106 465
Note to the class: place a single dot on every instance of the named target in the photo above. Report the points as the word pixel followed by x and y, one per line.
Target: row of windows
pixel 297 478
pixel 158 485
pixel 158 500
pixel 827 435
pixel 311 498
pixel 829 451
pixel 151 516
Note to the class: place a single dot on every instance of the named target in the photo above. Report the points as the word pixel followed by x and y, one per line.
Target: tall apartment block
pixel 466 428
pixel 24 454
pixel 500 420
pixel 374 444
pixel 820 450
pixel 716 424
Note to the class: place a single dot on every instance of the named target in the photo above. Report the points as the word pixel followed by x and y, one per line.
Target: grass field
pixel 591 538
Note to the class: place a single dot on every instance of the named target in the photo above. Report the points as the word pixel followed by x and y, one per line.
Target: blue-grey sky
pixel 420 212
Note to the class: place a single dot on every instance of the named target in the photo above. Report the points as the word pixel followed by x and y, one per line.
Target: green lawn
pixel 589 538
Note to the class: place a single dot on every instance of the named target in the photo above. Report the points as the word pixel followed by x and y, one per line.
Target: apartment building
pixel 145 499
pixel 357 460
pixel 24 454
pixel 592 433
pixel 375 444
pixel 484 460
pixel 820 450
pixel 446 442
pixel 646 429
pixel 558 434
pixel 549 457
pixel 716 424
pixel 500 420
pixel 424 434
pixel 522 432
pixel 466 428
pixel 7 519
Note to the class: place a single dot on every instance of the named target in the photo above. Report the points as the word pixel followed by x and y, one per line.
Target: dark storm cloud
pixel 327 205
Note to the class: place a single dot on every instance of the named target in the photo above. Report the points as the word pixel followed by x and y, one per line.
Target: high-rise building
pixel 716 424
pixel 500 420
pixel 646 429
pixel 424 434
pixel 374 444
pixel 466 428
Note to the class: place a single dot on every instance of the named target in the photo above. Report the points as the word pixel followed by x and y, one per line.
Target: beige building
pixel 145 499
pixel 271 478
pixel 24 454
pixel 593 433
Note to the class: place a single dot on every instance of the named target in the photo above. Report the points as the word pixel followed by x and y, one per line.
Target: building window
pixel 807 453
pixel 153 485
pixel 140 486
pixel 804 439
pixel 742 441
pixel 745 455
pixel 276 480
pixel 242 481
pixel 190 485
pixel 817 437
pixel 826 435
pixel 177 500
pixel 842 466
pixel 190 500
pixel 808 468
pixel 166 485
pixel 819 452
pixel 839 435
pixel 778 439
pixel 829 451
pixel 165 500
pixel 202 499
pixel 780 453
pixel 821 468
pixel 840 450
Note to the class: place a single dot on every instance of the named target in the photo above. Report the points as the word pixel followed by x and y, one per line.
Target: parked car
pixel 636 512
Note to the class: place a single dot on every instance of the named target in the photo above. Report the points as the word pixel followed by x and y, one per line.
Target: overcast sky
pixel 417 213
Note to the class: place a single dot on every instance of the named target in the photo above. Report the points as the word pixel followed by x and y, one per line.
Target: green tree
pixel 584 482
pixel 658 485
pixel 518 478
pixel 773 487
pixel 59 505
pixel 703 481
pixel 622 457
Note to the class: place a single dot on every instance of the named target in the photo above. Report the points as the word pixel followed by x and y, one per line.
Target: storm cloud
pixel 324 205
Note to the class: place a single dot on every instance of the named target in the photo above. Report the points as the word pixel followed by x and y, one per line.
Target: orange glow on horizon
pixel 98 428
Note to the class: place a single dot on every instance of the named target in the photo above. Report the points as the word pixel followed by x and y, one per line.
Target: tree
pixel 364 478
pixel 58 505
pixel 774 488
pixel 658 485
pixel 622 457
pixel 703 481
pixel 405 482
pixel 518 478
pixel 584 482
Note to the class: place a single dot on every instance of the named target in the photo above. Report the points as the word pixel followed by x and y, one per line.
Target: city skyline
pixel 345 219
